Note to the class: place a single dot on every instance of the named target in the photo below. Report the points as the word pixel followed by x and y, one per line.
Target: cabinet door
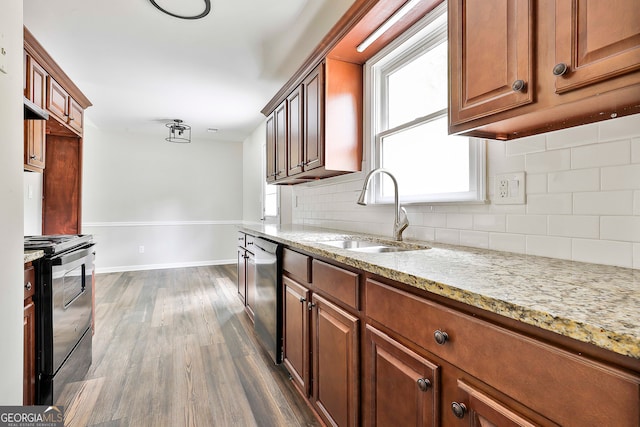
pixel 57 100
pixel 596 41
pixel 313 119
pixel 477 408
pixel 491 57
pixel 296 333
pixel 281 141
pixel 36 83
pixel 295 152
pixel 334 334
pixel 242 275
pixel 75 115
pixel 402 387
pixel 34 144
pixel 29 370
pixel 61 204
pixel 271 148
pixel 251 284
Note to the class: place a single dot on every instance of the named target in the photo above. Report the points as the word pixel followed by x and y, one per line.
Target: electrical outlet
pixel 510 189
pixel 3 55
pixel 141 249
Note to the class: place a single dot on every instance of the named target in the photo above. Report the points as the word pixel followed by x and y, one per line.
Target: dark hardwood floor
pixel 175 348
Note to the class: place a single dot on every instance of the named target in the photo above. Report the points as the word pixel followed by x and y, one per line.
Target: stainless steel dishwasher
pixel 268 298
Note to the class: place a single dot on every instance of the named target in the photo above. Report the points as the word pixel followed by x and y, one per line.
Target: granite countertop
pixel 592 303
pixel 32 255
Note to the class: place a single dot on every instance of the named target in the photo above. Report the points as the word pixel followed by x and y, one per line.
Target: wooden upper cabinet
pixel 76 114
pixel 281 141
pixel 313 86
pixel 295 153
pixel 271 148
pixel 491 57
pixel 35 130
pixel 595 41
pixel 524 67
pixel 57 100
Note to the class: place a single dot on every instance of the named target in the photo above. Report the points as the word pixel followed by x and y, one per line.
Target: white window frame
pixel 429 31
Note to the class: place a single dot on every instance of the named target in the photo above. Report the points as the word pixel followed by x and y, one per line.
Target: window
pixel 408 95
pixel 270 195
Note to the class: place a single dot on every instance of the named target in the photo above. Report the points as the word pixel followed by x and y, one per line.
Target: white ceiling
pixel 141 68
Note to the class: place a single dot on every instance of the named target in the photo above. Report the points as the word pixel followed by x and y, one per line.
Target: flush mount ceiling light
pixel 179 132
pixel 207 9
pixel 393 19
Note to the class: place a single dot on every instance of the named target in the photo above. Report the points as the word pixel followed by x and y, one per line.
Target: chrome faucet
pixel 401 221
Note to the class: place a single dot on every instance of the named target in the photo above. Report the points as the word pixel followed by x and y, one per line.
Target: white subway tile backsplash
pixel 536 183
pixel 574 226
pixel 530 144
pixel 489 222
pixel 623 228
pixel 571 137
pixel 507 242
pixel 446 235
pixel 460 221
pixel 598 155
pixel 560 203
pixel 527 224
pixel 583 199
pixel 556 247
pixel 574 180
pixel 603 203
pixel 603 252
pixel 621 177
pixel 476 239
pixel 620 128
pixel 549 161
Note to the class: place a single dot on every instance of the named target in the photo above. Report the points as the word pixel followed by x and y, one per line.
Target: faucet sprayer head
pixel 361 200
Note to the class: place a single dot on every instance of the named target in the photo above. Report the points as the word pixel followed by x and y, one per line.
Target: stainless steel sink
pixel 373 246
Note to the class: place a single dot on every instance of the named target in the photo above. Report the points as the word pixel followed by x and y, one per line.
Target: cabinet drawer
pixel 336 282
pixel 241 239
pixel 29 281
pixel 297 264
pixel 249 240
pixel 566 388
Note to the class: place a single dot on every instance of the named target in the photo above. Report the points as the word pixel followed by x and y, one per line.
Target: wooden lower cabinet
pixel 242 275
pixel 246 273
pixel 402 388
pixel 334 334
pixel 29 362
pixel 296 333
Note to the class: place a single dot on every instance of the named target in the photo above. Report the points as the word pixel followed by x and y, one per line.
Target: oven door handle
pixel 72 256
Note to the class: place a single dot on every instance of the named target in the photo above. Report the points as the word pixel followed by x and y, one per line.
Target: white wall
pixel 180 201
pixel 253 174
pixel 583 199
pixel 11 249
pixel 32 195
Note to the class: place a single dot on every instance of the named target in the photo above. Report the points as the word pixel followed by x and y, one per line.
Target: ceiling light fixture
pixel 207 9
pixel 179 132
pixel 393 19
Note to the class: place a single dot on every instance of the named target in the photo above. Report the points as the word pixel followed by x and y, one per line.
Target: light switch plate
pixel 3 55
pixel 510 189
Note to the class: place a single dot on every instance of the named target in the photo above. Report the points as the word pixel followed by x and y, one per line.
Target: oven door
pixel 71 275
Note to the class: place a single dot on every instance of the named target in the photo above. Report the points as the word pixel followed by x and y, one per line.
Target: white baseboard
pixel 123 268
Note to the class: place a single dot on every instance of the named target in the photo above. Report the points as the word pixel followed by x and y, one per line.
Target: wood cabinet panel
pixel 402 387
pixel 35 130
pixel 57 100
pixel 295 121
pixel 335 341
pixel 482 79
pixel 29 338
pixel 296 264
pixel 296 334
pixel 596 40
pixel 281 141
pixel 76 115
pixel 61 202
pixel 250 297
pixel 242 275
pixel 270 155
pixel 496 356
pixel 313 86
pixel 337 282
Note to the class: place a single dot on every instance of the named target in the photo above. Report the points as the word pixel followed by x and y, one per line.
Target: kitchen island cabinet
pixel 246 272
pixel 551 65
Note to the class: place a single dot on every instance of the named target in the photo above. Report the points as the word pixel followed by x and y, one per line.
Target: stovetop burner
pixel 56 243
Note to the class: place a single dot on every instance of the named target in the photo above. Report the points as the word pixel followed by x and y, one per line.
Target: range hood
pixel 33 112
